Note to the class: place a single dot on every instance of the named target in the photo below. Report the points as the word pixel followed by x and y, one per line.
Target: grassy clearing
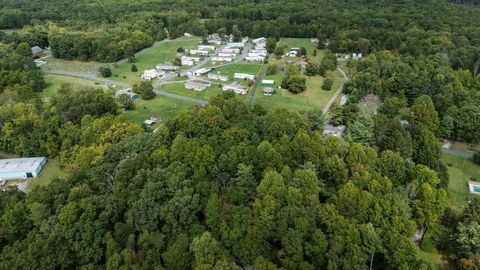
pixel 149 58
pixel 311 98
pixel 179 89
pixel 250 68
pixel 51 171
pixel 461 170
pixel 289 43
pixel 435 259
pixel 72 65
pixel 159 106
pixel 54 82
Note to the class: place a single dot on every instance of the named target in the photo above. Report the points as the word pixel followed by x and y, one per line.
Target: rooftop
pixel 19 164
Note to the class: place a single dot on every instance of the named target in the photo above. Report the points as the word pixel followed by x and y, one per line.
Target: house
pixel 167 66
pixel 295 49
pixel 221 59
pixel 196 85
pixel 201 71
pixel 329 130
pixel 268 91
pixel 259 51
pixel 187 62
pixel 267 82
pixel 200 52
pixel 151 121
pixel 220 77
pixel 151 74
pixel 215 41
pixel 260 47
pixel 234 87
pixel 301 64
pixel 190 58
pixel 254 54
pixel 128 91
pixel 37 51
pixel 230 55
pixel 187 34
pixel 314 40
pixel 291 53
pixel 230 50
pixel 206 47
pixel 259 40
pixel 244 76
pixel 254 58
pixel 21 168
pixel 244 39
pixel 235 45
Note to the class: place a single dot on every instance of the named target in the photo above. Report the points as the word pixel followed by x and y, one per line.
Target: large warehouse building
pixel 21 168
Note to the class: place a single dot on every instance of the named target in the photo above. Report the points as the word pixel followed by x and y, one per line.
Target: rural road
pixel 339 90
pixel 457 153
pixel 195 100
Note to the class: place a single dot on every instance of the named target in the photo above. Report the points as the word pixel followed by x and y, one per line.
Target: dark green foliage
pixel 476 157
pixel 327 84
pixel 144 89
pixel 105 72
pixel 271 44
pixel 134 68
pixel 272 69
pixel 312 68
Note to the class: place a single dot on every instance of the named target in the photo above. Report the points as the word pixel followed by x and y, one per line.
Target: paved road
pixel 86 76
pixel 195 100
pixel 339 90
pixel 251 94
pixel 457 153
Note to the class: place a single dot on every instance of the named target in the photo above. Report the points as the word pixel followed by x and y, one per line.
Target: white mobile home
pixel 237 89
pixel 244 76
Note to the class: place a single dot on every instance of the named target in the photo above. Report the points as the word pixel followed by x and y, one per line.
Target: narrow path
pixel 339 90
pixel 184 98
pixel 457 153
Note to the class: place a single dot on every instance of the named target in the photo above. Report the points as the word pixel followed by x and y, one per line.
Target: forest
pixel 234 186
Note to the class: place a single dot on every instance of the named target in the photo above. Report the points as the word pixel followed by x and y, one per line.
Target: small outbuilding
pixel 37 51
pixel 268 82
pixel 268 91
pixel 21 168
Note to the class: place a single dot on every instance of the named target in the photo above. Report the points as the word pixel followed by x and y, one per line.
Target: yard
pixel 313 97
pixel 461 171
pixel 179 89
pixel 250 68
pixel 150 57
pixel 289 43
pixel 54 82
pixel 72 65
pixel 50 171
pixel 160 106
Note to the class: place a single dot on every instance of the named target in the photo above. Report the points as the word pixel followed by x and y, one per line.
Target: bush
pixel 134 68
pixel 327 84
pixel 476 158
pixel 105 72
pixel 272 69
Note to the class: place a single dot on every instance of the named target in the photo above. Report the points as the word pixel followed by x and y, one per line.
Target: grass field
pixel 149 58
pixel 313 97
pixel 289 43
pixel 51 171
pixel 159 106
pixel 179 88
pixel 461 171
pixel 54 82
pixel 435 259
pixel 250 68
pixel 72 65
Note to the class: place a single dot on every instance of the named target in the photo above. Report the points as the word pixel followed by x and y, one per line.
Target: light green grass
pixel 159 106
pixel 289 43
pixel 72 65
pixel 435 259
pixel 313 97
pixel 149 58
pixel 250 68
pixel 179 89
pixel 50 171
pixel 460 171
pixel 54 82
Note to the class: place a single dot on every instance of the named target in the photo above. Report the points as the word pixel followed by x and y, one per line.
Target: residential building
pixel 259 40
pixel 260 51
pixel 219 77
pixel 187 34
pixel 344 99
pixel 221 59
pixel 267 82
pixel 187 63
pixel 200 52
pixel 37 51
pixel 234 87
pixel 128 91
pixel 21 168
pixel 230 55
pixel 206 47
pixel 201 71
pixel 254 54
pixel 260 47
pixel 244 76
pixel 314 40
pixel 235 45
pixel 196 85
pixel 268 91
pixel 254 58
pixel 191 58
pixel 230 50
pixel 167 66
pixel 151 74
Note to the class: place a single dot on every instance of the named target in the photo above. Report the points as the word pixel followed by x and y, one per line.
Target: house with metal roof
pixel 21 168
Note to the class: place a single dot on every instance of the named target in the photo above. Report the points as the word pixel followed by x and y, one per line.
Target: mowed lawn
pixel 289 43
pixel 250 68
pixel 72 65
pixel 461 170
pixel 50 171
pixel 54 82
pixel 150 57
pixel 179 89
pixel 313 97
pixel 159 106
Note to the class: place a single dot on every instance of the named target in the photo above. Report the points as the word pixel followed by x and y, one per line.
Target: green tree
pixel 145 89
pixel 105 72
pixel 312 68
pixel 271 44
pixel 272 69
pixel 423 113
pixel 134 68
pixel 327 84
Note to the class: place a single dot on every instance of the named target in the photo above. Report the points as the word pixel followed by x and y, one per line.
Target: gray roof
pixel 36 50
pixel 20 164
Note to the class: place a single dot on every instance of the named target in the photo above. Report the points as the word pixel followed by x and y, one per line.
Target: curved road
pixel 339 90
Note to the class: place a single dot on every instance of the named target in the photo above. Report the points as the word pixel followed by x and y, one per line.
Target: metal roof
pixel 20 164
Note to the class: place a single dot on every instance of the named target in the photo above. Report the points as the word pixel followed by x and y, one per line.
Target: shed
pixel 268 91
pixel 268 82
pixel 21 168
pixel 37 51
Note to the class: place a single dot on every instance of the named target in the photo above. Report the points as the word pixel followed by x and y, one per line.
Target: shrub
pixel 327 84
pixel 105 72
pixel 476 158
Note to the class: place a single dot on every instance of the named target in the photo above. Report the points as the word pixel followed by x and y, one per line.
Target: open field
pixel 54 82
pixel 150 57
pixel 179 89
pixel 250 68
pixel 159 106
pixel 72 65
pixel 51 171
pixel 313 97
pixel 435 259
pixel 461 171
